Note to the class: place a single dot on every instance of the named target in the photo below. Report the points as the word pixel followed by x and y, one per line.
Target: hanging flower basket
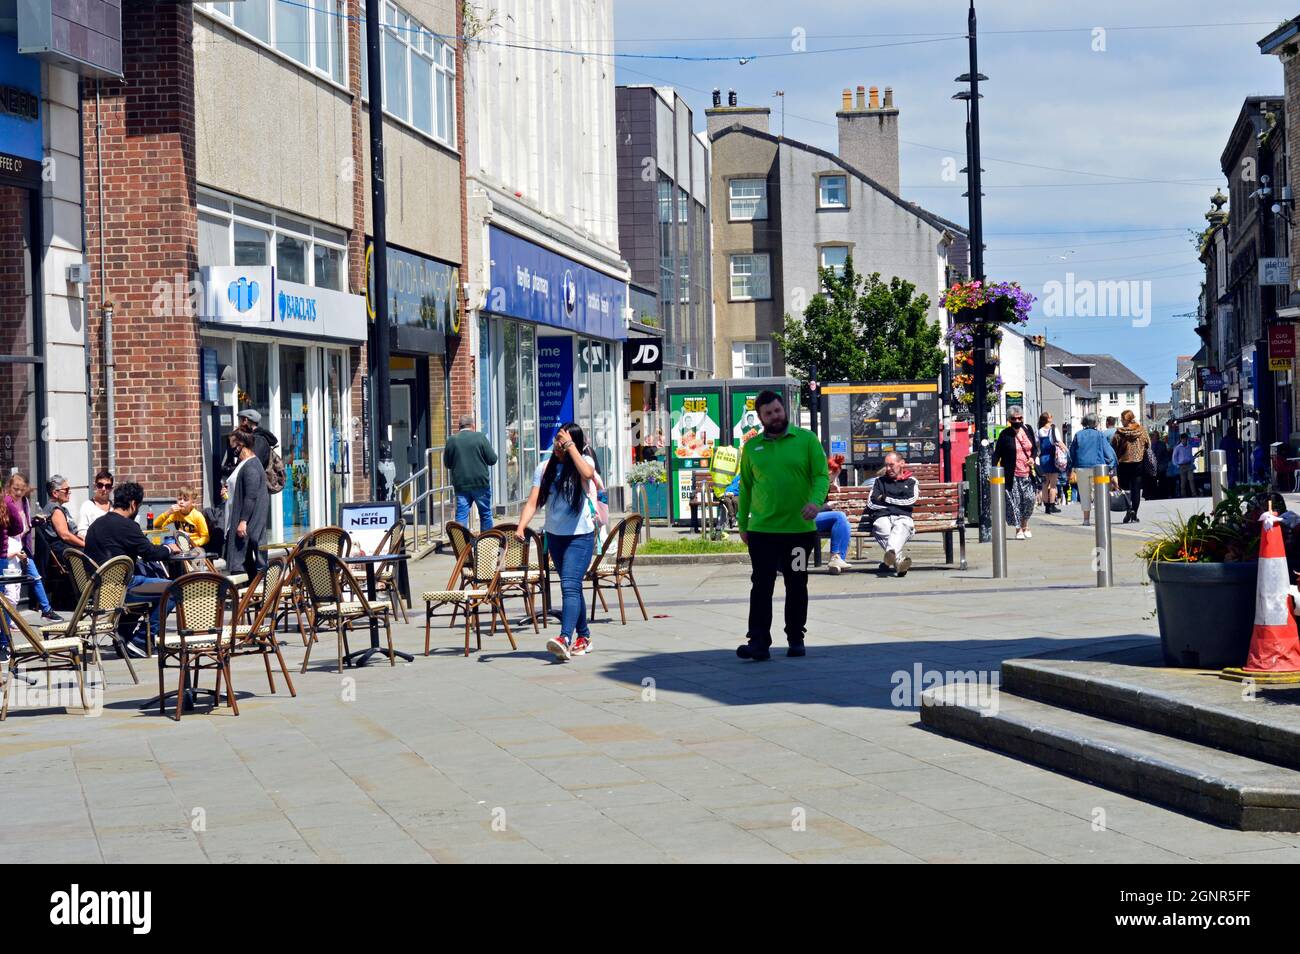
pixel 991 303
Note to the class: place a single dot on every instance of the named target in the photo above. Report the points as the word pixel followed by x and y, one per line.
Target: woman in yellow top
pixel 186 517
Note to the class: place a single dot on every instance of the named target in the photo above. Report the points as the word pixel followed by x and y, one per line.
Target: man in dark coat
pixel 247 506
pixel 250 422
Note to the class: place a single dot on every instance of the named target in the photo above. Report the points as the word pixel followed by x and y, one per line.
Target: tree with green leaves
pixel 862 328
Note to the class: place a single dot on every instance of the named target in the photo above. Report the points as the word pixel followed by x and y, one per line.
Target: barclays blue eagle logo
pixel 570 289
pixel 243 294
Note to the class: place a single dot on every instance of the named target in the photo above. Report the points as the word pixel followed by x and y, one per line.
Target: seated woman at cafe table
pixel 187 517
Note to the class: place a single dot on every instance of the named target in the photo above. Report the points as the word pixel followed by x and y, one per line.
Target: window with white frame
pixel 1130 396
pixel 1114 397
pixel 750 277
pixel 835 257
pixel 751 359
pixel 748 199
pixel 832 192
pixel 419 72
pixel 237 233
pixel 313 32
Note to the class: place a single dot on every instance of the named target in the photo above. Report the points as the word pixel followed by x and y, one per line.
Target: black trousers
pixel 788 554
pixel 1130 479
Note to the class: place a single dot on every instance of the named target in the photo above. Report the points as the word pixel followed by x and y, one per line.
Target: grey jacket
pixel 250 501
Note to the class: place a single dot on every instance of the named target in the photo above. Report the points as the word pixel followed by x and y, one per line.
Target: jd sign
pixel 643 354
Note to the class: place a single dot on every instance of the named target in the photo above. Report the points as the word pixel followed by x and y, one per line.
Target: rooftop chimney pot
pixel 862 98
pixel 846 99
pixel 717 96
pixel 889 97
pixel 731 97
pixel 875 98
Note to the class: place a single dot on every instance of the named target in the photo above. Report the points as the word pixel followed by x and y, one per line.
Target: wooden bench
pixel 938 509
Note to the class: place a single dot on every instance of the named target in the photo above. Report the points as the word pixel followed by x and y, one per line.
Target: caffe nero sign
pixel 21 147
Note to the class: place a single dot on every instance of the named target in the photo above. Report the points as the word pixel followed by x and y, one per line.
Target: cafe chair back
pixel 205 609
pixel 99 611
pixel 28 647
pixel 255 621
pixel 333 540
pixel 482 587
pixel 386 573
pixel 613 566
pixel 324 578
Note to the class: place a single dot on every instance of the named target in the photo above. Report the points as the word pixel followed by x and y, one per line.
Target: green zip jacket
pixel 777 477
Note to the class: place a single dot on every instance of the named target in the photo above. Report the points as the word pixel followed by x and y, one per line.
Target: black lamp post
pixel 382 469
pixel 976 216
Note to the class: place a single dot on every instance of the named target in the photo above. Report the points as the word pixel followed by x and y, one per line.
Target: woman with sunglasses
pixel 1016 452
pixel 97 505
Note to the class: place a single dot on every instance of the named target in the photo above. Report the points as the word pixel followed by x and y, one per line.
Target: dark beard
pixel 785 426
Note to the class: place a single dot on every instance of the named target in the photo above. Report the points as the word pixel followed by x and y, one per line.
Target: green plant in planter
pixel 1227 534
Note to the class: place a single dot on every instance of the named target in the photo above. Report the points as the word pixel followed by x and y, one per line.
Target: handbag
pixel 1149 465
pixel 1060 456
pixel 1119 502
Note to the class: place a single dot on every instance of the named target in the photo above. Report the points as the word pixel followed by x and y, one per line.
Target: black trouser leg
pixel 794 568
pixel 1130 479
pixel 765 561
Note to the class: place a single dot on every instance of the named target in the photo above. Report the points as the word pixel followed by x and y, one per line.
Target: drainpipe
pixel 106 312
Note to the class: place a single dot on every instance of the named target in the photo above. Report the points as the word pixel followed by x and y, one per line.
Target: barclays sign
pixel 295 307
pixel 252 298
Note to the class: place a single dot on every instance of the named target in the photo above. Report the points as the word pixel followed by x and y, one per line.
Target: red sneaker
pixel 581 646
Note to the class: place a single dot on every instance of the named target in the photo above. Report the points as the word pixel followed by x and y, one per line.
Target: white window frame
pixel 821 194
pixel 1113 396
pixel 749 275
pixel 1130 396
pixel 760 200
pixel 215 206
pixel 751 359
pixel 821 259
pixel 318 61
pixel 417 40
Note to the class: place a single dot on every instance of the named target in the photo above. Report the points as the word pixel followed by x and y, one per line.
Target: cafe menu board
pixel 695 432
pixel 870 420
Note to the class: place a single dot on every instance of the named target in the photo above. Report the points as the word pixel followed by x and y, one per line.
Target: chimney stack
pixel 721 117
pixel 846 99
pixel 869 135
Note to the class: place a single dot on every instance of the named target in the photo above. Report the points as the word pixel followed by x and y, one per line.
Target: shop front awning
pixel 1207 412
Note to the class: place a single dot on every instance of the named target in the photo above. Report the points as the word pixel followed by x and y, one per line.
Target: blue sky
pixel 1154 104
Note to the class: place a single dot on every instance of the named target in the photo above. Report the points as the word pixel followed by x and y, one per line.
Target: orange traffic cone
pixel 1275 643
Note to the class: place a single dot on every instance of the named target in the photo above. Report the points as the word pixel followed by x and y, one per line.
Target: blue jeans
pixel 838 524
pixel 38 587
pixel 152 599
pixel 572 558
pixel 479 498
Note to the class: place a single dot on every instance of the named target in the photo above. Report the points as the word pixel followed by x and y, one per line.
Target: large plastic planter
pixel 1206 612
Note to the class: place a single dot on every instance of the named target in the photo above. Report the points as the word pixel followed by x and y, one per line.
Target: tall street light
pixel 975 211
pixel 382 469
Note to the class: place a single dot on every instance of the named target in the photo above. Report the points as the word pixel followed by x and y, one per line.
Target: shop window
pixel 315 255
pixel 250 245
pixel 291 259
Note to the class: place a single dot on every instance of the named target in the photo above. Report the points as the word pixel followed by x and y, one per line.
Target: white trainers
pixel 1029 535
pixel 559 648
pixel 1020 534
pixel 837 563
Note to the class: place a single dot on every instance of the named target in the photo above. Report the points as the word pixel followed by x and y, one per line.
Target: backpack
pixel 275 474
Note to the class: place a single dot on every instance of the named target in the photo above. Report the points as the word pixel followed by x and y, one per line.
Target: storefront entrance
pixel 21 368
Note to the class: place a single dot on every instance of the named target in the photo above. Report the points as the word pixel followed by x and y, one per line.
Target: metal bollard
pixel 1101 514
pixel 998 521
pixel 1218 475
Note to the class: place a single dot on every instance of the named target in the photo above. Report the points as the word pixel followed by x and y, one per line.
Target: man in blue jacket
pixel 1090 449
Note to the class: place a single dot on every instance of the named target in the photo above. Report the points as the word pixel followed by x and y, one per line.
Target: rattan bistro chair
pixel 82 570
pixel 519 575
pixel 205 619
pixel 27 646
pixel 324 576
pixel 613 565
pixel 483 588
pixel 333 540
pixel 99 611
pixel 257 636
pixel 394 541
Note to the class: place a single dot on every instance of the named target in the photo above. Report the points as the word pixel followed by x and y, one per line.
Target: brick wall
pixel 15 379
pixel 359 357
pixel 149 237
pixel 460 352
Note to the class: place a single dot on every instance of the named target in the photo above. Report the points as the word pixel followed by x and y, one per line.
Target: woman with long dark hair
pixel 567 485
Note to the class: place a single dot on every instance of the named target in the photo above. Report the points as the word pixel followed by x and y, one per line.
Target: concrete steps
pixel 1227 788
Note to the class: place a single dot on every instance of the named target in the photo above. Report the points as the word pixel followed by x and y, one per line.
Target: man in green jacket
pixel 467 457
pixel 783 483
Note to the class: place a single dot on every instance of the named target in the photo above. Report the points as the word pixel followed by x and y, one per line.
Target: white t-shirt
pixel 88 514
pixel 561 518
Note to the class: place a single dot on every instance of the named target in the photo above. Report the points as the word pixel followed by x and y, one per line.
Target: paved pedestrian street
pixel 661 746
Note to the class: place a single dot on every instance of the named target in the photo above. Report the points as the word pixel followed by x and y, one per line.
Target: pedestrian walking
pixel 264 442
pixel 468 458
pixel 117 534
pixel 1109 432
pixel 1182 458
pixel 1088 450
pixel 1160 447
pixel 834 522
pixel 1231 447
pixel 1131 443
pixel 1016 452
pixel 100 503
pixel 889 508
pixel 20 545
pixel 567 484
pixel 247 506
pixel 1051 455
pixel 783 483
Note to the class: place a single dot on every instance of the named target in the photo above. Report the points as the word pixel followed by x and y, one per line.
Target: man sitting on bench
pixel 889 511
